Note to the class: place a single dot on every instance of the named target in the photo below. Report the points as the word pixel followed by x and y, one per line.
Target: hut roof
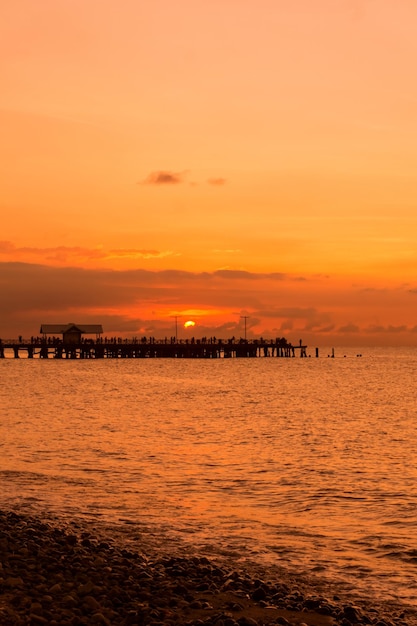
pixel 60 329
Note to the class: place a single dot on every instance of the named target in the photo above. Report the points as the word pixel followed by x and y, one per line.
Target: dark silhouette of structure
pixel 71 333
pixel 74 346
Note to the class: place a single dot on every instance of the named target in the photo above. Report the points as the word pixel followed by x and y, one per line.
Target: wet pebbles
pixel 69 575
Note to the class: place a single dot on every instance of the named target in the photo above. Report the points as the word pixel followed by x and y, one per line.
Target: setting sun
pixel 189 324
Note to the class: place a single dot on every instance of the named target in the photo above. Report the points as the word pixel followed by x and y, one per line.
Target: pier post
pixel 16 352
pixel 317 353
pixel 99 352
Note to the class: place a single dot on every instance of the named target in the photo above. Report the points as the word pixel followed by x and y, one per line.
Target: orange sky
pixel 210 159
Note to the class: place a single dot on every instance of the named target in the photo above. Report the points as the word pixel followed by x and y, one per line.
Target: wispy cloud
pixel 77 254
pixel 132 253
pixel 169 177
pixel 165 177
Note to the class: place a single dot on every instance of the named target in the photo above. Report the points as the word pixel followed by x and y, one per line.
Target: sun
pixel 189 324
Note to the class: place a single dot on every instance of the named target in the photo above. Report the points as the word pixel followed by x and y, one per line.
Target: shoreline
pixel 76 573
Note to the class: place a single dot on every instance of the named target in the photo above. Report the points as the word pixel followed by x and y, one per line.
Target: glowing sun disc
pixel 189 324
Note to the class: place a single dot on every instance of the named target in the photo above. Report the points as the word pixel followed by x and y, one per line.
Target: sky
pixel 217 161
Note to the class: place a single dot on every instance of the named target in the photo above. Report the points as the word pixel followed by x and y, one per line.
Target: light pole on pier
pixel 176 328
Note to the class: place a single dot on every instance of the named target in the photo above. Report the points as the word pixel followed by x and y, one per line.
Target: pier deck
pixel 139 349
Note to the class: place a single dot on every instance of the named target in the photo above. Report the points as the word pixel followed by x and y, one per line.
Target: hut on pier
pixel 71 333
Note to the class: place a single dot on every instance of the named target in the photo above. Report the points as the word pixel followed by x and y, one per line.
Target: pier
pixel 53 348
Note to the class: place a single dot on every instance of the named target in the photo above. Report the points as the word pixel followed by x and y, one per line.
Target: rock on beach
pixel 63 574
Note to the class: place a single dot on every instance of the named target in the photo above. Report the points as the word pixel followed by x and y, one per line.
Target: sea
pixel 308 465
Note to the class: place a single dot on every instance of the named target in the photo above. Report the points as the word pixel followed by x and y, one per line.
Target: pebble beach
pixel 77 573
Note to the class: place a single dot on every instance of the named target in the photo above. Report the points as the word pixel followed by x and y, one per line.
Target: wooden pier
pixel 150 348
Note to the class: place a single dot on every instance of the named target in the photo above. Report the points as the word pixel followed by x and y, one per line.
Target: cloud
pixel 372 290
pixel 217 182
pixel 60 254
pixel 143 301
pixel 245 275
pixel 76 254
pixel 28 281
pixel 132 253
pixel 287 325
pixel 397 329
pixel 325 329
pixel 167 177
pixel 289 312
pixel 7 247
pixel 314 320
pixel 349 328
pixel 33 294
pixel 374 329
pixel 163 177
pixel 316 323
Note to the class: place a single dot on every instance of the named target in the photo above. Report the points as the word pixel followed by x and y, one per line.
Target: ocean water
pixel 305 464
